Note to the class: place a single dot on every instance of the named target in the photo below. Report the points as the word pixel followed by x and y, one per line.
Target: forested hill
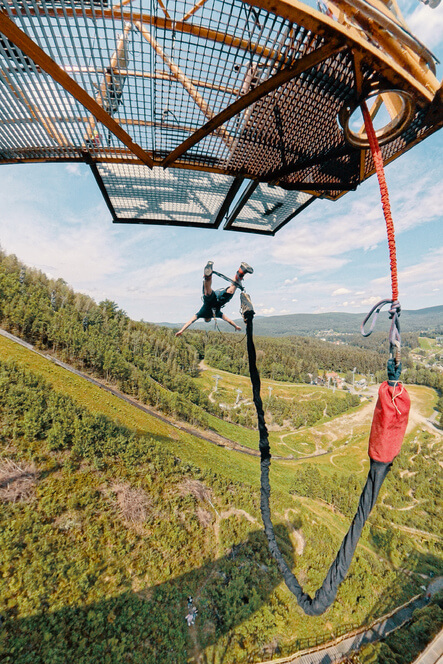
pixel 418 320
pixel 149 362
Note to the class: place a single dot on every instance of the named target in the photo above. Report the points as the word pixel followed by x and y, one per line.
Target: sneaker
pixel 246 307
pixel 245 268
pixel 208 268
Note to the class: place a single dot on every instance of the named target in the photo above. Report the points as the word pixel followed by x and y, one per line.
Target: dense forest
pixel 142 359
pixel 149 362
pixel 104 533
pixel 412 496
pixel 96 512
pixel 295 359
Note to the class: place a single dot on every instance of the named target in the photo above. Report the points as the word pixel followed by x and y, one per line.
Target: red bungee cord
pixel 392 409
pixel 378 162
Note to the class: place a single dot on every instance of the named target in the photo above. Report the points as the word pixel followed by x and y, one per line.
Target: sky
pixel 332 257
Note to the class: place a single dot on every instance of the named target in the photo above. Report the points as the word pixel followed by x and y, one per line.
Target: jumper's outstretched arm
pixel 231 322
pixel 186 325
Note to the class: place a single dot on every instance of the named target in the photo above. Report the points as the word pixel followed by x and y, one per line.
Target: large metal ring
pixel 390 131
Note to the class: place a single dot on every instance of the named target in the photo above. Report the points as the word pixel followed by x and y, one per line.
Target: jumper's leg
pixel 207 278
pixel 242 270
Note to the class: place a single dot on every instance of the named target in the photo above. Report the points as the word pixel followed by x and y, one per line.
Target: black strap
pixel 326 594
pixel 235 283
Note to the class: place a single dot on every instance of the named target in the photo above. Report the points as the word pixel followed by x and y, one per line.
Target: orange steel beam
pixel 161 23
pixel 396 71
pixel 122 121
pixel 107 156
pixel 183 79
pixel 163 8
pixel 195 8
pixel 282 77
pixel 25 44
pixel 292 10
pixel 114 69
pixel 121 4
pixel 158 75
pixel 36 115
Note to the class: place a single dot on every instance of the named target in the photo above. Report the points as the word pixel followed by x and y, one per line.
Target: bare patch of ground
pixel 134 505
pixel 195 488
pixel 234 510
pixel 17 482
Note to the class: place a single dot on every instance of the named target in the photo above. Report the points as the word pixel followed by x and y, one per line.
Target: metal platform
pixel 195 114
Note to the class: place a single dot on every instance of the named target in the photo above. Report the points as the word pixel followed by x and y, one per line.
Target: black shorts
pixel 213 303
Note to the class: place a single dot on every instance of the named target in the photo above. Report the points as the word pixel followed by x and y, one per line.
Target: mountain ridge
pixel 411 320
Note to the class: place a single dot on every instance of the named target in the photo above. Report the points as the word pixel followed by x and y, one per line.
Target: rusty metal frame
pixel 292 10
pixel 229 225
pixel 161 76
pixel 284 76
pixel 181 78
pixel 47 64
pixel 394 64
pixel 397 60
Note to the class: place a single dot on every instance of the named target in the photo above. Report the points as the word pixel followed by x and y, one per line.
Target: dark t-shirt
pixel 213 303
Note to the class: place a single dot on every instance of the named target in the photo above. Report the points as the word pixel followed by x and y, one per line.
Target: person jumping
pixel 213 301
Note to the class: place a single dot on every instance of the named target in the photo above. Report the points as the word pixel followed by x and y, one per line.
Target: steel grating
pixel 175 196
pixel 265 209
pixel 213 91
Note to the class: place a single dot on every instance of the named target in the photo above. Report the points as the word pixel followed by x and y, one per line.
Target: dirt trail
pixel 344 425
pixel 414 531
pixel 403 509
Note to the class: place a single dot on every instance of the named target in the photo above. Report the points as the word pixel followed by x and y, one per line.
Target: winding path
pixel 336 650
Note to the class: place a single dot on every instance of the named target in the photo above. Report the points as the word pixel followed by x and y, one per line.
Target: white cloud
pixel 341 291
pixel 323 239
pixel 427 24
pixel 74 169
pixel 267 312
pixel 370 301
pixel 81 252
pixel 418 281
pixel 290 282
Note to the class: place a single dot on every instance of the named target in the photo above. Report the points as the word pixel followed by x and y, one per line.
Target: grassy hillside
pixel 111 518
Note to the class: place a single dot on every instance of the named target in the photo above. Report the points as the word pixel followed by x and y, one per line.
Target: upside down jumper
pixel 387 431
pixel 214 301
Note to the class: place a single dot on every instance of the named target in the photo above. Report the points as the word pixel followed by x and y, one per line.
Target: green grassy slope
pixel 124 516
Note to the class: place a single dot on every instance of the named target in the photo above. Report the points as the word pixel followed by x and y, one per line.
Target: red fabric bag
pixel 389 422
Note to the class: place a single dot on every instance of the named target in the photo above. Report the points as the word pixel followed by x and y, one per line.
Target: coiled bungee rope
pixel 387 431
pixel 339 568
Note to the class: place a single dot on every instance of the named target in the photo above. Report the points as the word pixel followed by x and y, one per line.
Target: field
pixel 235 391
pixel 86 579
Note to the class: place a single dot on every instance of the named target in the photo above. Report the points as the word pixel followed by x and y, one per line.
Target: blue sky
pixel 333 257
